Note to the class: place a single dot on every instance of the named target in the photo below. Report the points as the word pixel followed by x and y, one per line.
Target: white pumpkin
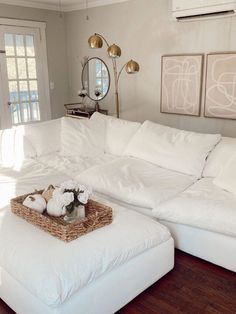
pixel 55 207
pixel 57 204
pixel 35 202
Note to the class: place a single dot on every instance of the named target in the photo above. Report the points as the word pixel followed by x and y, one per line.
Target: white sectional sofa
pixel 162 172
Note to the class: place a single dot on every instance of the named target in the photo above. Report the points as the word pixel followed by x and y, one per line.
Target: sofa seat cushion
pixel 135 181
pixel 172 148
pixel 54 270
pixel 73 165
pixel 203 205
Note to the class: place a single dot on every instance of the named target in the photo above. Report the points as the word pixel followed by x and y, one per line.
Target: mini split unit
pixel 185 10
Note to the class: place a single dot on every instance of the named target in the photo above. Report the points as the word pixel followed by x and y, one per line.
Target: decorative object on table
pixel 97 93
pixel 82 93
pixel 96 80
pixel 114 52
pixel 47 193
pixel 69 199
pixel 181 84
pixel 35 202
pixel 56 206
pixel 97 216
pixel 220 96
pixel 75 110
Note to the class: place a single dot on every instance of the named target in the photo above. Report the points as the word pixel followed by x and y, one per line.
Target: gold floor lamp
pixel 114 52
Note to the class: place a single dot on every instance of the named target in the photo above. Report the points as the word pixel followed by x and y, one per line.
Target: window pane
pixel 33 90
pixel 25 110
pixel 20 48
pixel 11 68
pixel 98 83
pixel 104 67
pixel 35 111
pixel 21 68
pixel 13 89
pixel 9 45
pixel 15 113
pixel 105 85
pixel 98 73
pixel 24 93
pixel 32 68
pixel 30 45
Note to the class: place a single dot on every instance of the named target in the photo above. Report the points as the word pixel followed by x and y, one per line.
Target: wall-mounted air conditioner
pixel 195 9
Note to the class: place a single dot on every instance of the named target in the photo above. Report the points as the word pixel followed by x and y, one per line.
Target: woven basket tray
pixel 97 216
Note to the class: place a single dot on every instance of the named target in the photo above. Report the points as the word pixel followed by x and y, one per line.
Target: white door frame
pixel 5 117
pixel 42 65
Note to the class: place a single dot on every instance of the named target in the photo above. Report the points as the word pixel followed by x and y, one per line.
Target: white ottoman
pixel 97 273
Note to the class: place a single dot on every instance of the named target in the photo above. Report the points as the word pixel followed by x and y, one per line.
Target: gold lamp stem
pixel 103 39
pixel 116 79
pixel 121 71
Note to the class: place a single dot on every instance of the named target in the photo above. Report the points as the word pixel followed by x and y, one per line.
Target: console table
pixel 74 110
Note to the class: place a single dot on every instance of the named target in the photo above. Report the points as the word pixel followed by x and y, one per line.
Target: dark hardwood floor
pixel 194 286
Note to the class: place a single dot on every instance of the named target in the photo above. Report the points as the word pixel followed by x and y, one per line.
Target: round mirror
pixel 96 79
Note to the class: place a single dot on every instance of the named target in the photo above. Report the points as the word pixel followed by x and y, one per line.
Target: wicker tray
pixel 97 216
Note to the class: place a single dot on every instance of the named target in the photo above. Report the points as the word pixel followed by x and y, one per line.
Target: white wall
pixel 144 30
pixel 56 50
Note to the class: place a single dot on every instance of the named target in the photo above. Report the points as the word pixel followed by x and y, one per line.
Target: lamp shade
pixel 132 67
pixel 114 51
pixel 95 42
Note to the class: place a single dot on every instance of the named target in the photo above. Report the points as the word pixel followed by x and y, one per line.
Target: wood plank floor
pixel 194 286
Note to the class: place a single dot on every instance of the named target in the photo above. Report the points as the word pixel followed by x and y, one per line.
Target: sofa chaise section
pixel 97 273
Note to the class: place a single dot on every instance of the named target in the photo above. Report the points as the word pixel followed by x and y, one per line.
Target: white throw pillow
pixel 14 147
pixel 82 138
pixel 118 132
pixel 44 136
pixel 171 148
pixel 226 179
pixel 219 157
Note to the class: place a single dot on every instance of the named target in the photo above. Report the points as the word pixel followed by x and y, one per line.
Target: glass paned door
pixel 22 77
pixel 21 68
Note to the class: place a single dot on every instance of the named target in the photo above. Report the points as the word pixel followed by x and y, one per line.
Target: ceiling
pixel 67 5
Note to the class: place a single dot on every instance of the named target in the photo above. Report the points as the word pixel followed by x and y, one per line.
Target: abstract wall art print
pixel 220 91
pixel 181 84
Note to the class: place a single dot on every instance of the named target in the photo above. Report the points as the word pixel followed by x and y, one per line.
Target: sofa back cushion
pixel 14 147
pixel 45 137
pixel 82 138
pixel 226 177
pixel 171 148
pixel 118 132
pixel 219 157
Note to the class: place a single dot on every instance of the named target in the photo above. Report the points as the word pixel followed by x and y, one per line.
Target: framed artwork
pixel 220 91
pixel 181 84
